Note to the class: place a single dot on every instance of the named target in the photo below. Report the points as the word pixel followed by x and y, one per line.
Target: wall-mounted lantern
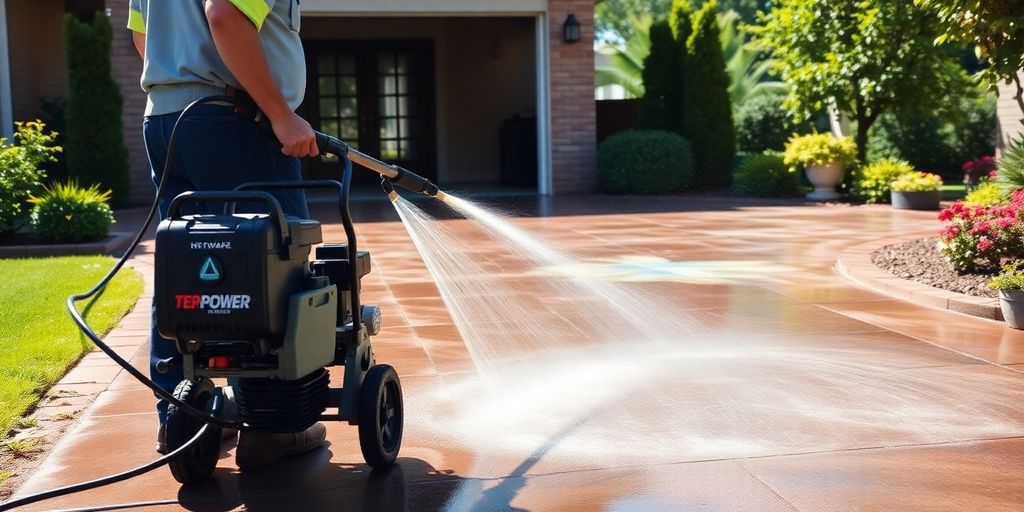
pixel 571 29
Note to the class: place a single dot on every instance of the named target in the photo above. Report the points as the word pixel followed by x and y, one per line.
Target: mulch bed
pixel 920 261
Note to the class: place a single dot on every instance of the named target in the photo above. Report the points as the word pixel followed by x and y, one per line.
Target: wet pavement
pixel 843 399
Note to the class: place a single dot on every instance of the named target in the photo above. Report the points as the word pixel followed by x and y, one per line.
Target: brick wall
pixel 127 67
pixel 573 117
pixel 1009 114
pixel 36 45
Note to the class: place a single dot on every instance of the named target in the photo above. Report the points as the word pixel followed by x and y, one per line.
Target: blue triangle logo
pixel 209 271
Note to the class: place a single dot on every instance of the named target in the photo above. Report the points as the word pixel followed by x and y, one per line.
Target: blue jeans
pixel 217 149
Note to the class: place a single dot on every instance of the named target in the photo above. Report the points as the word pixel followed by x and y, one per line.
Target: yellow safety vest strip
pixel 136 22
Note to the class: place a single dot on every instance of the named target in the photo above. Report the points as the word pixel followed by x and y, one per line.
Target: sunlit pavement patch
pixel 653 268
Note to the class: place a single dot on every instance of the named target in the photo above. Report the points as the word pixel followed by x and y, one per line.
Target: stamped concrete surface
pixel 813 393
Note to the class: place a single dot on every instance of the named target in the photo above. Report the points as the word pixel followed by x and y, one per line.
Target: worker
pixel 248 49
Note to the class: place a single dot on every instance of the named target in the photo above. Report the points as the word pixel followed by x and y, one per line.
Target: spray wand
pixel 391 173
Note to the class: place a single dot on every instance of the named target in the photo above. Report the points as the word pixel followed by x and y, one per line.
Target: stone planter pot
pixel 926 200
pixel 1012 304
pixel 825 179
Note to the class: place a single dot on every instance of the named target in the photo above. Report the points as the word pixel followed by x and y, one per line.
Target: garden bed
pixel 920 261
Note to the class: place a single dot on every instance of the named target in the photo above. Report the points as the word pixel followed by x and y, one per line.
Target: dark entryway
pixel 378 96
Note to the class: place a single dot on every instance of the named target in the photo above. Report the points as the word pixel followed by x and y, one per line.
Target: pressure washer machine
pixel 241 299
pixel 256 322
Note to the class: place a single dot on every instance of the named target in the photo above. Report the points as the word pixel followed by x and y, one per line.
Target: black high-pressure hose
pixel 84 327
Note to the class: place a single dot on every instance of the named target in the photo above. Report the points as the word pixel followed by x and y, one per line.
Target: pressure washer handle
pixel 401 177
pixel 174 210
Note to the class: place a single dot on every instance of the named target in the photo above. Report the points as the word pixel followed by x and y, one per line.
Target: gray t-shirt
pixel 182 63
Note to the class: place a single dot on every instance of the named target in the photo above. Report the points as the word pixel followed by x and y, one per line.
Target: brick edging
pixel 855 264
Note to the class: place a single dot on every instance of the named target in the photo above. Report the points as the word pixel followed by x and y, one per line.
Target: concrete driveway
pixel 783 387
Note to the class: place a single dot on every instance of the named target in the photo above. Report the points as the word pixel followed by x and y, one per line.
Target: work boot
pixel 161 440
pixel 256 449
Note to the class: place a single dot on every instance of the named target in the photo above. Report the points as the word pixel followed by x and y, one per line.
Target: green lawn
pixel 38 340
pixel 954 191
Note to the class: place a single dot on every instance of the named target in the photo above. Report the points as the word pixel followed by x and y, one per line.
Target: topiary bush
pixel 21 172
pixel 765 175
pixel 708 123
pixel 644 162
pixel 762 124
pixel 66 212
pixel 874 181
pixel 95 147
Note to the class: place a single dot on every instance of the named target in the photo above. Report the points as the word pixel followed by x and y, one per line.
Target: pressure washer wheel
pixel 381 416
pixel 195 464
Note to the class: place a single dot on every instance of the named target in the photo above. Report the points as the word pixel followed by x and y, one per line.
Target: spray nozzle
pixel 389 188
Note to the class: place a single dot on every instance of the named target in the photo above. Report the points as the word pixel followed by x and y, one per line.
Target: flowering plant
pixel 982 236
pixel 979 169
pixel 819 149
pixel 917 181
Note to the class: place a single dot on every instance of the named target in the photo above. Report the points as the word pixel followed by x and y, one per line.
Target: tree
pixel 865 57
pixel 661 107
pixel 994 28
pixel 617 20
pixel 95 148
pixel 626 62
pixel 745 63
pixel 708 121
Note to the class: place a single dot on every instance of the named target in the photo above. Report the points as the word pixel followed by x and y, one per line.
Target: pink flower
pixel 980 228
pixel 985 244
pixel 1005 222
pixel 946 215
pixel 949 232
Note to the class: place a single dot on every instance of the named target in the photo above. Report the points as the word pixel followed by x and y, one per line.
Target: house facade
pixel 469 92
pixel 1009 115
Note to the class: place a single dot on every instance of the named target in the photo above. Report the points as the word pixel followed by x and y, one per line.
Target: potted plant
pixel 1010 284
pixel 824 157
pixel 916 191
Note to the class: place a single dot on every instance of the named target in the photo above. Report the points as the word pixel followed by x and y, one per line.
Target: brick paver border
pixel 855 264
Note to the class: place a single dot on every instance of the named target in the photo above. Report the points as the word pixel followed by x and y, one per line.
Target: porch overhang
pixel 420 8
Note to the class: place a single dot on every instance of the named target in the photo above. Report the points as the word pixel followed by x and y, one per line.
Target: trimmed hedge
pixel 644 162
pixel 762 124
pixel 95 146
pixel 765 175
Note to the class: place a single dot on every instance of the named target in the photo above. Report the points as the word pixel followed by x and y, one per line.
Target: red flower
pixel 980 228
pixel 1005 222
pixel 949 232
pixel 985 244
pixel 946 215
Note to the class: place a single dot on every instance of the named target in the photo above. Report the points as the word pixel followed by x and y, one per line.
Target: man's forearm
pixel 239 46
pixel 140 43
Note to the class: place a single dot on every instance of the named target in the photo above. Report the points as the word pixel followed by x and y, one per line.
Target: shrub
pixel 981 237
pixel 931 141
pixel 819 149
pixel 644 162
pixel 987 193
pixel 978 169
pixel 874 181
pixel 66 212
pixel 95 147
pixel 762 124
pixel 708 121
pixel 661 108
pixel 1011 277
pixel 1010 172
pixel 917 181
pixel 20 171
pixel 765 175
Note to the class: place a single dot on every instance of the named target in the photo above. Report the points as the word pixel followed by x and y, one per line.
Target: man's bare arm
pixel 239 45
pixel 140 43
